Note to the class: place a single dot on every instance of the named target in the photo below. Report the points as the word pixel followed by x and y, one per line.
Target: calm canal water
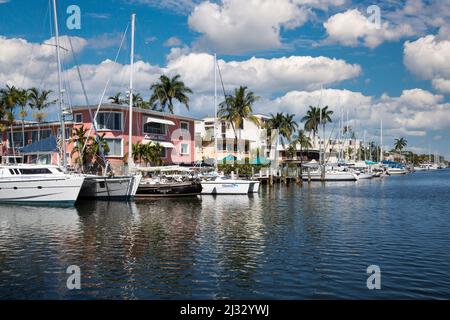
pixel 285 243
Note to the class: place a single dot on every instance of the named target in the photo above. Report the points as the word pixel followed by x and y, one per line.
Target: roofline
pixel 139 110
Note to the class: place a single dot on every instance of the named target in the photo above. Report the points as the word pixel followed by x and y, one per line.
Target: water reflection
pixel 287 242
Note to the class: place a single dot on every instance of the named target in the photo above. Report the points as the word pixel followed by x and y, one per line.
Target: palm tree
pixel 305 143
pixel 312 120
pixel 138 101
pixel 284 125
pixel 116 99
pixel 325 116
pixel 151 153
pixel 39 100
pixel 166 91
pixel 399 144
pixel 237 108
pixel 88 149
pixel 79 139
pixel 22 97
pixel 137 151
pixel 8 100
pixel 98 148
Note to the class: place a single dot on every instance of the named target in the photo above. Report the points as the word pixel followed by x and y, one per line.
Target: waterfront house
pixel 174 133
pixel 252 139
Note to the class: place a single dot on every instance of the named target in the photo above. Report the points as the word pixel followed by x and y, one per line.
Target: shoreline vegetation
pixel 237 107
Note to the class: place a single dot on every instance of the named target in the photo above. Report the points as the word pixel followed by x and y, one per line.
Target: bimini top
pixel 47 145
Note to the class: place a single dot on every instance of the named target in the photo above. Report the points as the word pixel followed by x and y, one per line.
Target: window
pixel 154 128
pixel 40 134
pixel 35 171
pixel 221 146
pixel 115 147
pixel 41 159
pixel 68 133
pixel 163 153
pixel 17 138
pixel 184 148
pixel 78 118
pixel 109 121
pixel 184 126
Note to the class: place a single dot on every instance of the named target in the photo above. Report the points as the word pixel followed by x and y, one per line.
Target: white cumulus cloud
pixel 428 57
pixel 235 26
pixel 352 28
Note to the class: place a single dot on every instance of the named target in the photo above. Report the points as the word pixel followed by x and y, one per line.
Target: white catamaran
pixel 38 184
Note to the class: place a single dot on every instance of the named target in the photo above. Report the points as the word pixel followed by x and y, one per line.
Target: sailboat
pixel 118 188
pixel 216 183
pixel 324 172
pixel 42 184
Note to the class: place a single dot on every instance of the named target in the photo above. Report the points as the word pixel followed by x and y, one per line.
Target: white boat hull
pixel 397 171
pixel 58 190
pixel 230 187
pixel 330 176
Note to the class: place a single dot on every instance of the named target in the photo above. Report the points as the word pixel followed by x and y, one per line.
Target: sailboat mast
pixel 215 112
pixel 60 100
pixel 381 140
pixel 130 120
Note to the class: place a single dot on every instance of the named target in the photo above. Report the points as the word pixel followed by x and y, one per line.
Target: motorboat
pixel 365 175
pixel 224 185
pixel 170 181
pixel 397 171
pixel 40 184
pixel 330 175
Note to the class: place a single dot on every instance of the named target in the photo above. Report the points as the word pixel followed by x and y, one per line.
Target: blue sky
pixel 372 73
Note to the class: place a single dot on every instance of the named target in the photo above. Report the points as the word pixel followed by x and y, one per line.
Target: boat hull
pixel 156 190
pixel 230 187
pixel 107 188
pixel 316 176
pixel 365 176
pixel 62 191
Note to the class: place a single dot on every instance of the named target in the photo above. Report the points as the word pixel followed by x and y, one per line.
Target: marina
pixel 234 150
pixel 285 242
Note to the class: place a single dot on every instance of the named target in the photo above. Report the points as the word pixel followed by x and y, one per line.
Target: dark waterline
pixel 285 243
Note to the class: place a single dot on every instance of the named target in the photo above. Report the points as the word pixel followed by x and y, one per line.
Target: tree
pixel 8 100
pixel 88 149
pixel 400 144
pixel 285 127
pixel 312 120
pixel 22 97
pixel 80 140
pixel 138 101
pixel 237 108
pixel 137 151
pixel 116 99
pixel 151 153
pixel 166 91
pixel 39 100
pixel 303 141
pixel 325 117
